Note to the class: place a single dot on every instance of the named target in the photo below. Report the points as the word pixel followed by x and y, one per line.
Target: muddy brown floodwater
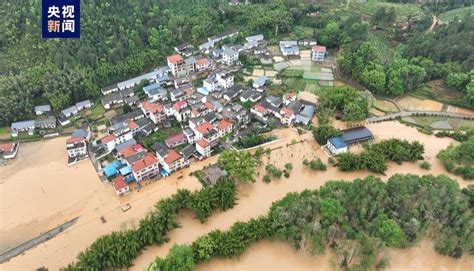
pixel 254 200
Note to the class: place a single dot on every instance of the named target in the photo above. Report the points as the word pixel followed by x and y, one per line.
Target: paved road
pixel 36 241
pixel 419 113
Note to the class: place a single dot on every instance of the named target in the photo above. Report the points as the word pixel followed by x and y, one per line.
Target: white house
pixel 120 186
pixel 203 147
pixel 177 65
pixel 173 161
pixel 318 53
pixel 156 112
pixel 9 150
pixel 84 105
pixel 146 168
pixel 336 145
pixel 230 56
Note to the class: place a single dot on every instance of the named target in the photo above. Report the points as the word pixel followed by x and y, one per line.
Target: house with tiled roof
pixel 76 149
pixel 120 186
pixel 9 150
pixel 176 140
pixel 172 161
pixel 202 63
pixel 318 53
pixel 224 127
pixel 177 65
pixel 260 111
pixel 181 111
pixel 146 168
pixel 203 147
pixel 289 97
pixel 287 116
pixel 156 112
pixel 130 150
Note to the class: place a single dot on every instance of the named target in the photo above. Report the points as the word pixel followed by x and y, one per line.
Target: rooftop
pixel 172 157
pixel 119 183
pixel 175 59
pixel 338 142
pixel 147 161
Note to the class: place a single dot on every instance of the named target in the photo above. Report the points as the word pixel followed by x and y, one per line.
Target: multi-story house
pixel 318 53
pixel 224 127
pixel 177 65
pixel 173 161
pixel 146 168
pixel 230 56
pixel 156 112
pixel 181 111
pixel 203 148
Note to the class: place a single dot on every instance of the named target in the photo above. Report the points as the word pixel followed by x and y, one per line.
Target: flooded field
pixel 254 200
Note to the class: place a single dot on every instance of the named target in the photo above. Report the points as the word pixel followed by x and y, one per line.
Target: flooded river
pixel 253 200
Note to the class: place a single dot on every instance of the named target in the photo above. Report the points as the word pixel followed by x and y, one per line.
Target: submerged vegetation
pixel 358 220
pixel 459 159
pixel 375 155
pixel 117 250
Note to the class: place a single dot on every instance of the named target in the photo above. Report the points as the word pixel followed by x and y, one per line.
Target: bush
pixel 289 166
pixel 315 164
pixel 267 178
pixel 273 171
pixel 286 174
pixel 425 165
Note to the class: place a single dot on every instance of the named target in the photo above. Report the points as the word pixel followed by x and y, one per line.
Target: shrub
pixel 315 164
pixel 425 165
pixel 267 178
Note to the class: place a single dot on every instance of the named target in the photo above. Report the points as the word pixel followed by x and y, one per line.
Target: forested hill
pixel 119 39
pixel 123 38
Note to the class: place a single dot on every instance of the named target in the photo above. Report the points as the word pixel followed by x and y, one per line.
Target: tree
pixel 457 81
pixel 179 258
pixel 239 165
pixel 323 132
pixel 331 211
pixel 389 231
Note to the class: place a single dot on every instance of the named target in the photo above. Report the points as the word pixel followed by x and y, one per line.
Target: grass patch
pixel 385 106
pixel 4 130
pixel 97 111
pixel 436 93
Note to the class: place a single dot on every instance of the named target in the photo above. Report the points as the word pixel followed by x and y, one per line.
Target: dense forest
pixel 120 39
pixel 358 220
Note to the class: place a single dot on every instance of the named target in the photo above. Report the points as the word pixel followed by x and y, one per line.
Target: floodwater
pixel 254 200
pixel 268 255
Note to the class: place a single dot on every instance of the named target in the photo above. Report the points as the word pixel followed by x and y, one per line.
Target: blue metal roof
pixel 338 142
pixel 125 170
pixel 203 90
pixel 355 135
pixel 110 170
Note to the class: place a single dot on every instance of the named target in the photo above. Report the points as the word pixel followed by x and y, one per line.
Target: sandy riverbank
pixel 254 199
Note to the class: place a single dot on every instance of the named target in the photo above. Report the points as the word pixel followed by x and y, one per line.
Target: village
pixel 183 112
